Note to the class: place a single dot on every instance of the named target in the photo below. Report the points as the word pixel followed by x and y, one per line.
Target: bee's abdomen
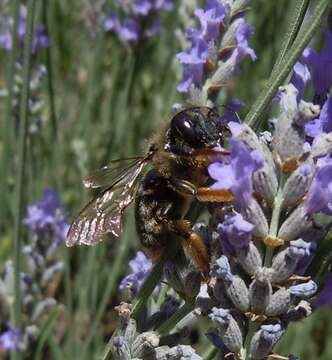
pixel 156 204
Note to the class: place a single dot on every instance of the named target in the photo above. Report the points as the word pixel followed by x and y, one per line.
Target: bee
pixel 179 154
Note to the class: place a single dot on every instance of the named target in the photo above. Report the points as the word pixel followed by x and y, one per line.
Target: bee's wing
pixel 104 214
pixel 111 174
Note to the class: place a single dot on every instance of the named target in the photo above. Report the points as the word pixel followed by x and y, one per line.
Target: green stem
pixel 181 312
pixel 274 224
pixel 253 326
pixel 253 117
pixel 211 353
pixel 8 121
pixel 110 286
pixel 297 16
pixel 48 61
pixel 24 113
pixel 148 286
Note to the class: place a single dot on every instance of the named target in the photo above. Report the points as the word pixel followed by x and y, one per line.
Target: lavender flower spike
pixel 237 175
pixel 319 198
pixel 9 340
pixel 140 267
pixel 320 65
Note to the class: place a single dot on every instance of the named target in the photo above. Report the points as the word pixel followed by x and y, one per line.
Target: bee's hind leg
pixel 192 243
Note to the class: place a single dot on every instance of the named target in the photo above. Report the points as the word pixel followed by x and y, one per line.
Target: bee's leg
pixel 192 243
pixel 206 194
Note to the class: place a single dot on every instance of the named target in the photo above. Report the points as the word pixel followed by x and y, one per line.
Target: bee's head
pixel 197 128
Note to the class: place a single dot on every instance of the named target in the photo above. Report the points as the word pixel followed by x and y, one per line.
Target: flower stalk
pixel 19 198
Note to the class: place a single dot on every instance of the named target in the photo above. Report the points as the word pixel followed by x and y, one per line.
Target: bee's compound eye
pixel 183 127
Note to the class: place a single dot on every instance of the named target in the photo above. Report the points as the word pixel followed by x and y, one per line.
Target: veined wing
pixel 110 174
pixel 104 214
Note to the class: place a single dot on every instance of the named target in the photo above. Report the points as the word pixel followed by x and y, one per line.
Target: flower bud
pixel 285 262
pixel 182 352
pixel 229 330
pixel 298 184
pixel 237 291
pixel 42 307
pixel 203 300
pixel 120 349
pixel 144 343
pixel 280 302
pixel 182 276
pixel 255 215
pixel 260 291
pixel 301 311
pixel 305 290
pixel 250 258
pixel 263 341
pixel 222 269
pixel 307 112
pixel 322 145
pixel 296 224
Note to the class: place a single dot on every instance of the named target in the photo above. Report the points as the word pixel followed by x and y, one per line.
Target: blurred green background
pixel 108 99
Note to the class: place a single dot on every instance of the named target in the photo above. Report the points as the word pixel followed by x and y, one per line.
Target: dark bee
pixel 179 154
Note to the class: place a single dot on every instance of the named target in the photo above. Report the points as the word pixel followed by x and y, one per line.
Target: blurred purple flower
pixel 40 38
pixel 46 214
pixel 211 19
pixel 320 65
pixel 237 175
pixel 193 63
pixel 140 267
pixel 242 49
pixel 324 297
pixel 140 19
pixel 324 123
pixel 236 232
pixel 300 78
pixel 319 197
pixel 232 107
pixel 9 339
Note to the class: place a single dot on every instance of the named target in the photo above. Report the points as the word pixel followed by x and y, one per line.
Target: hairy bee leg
pixel 206 194
pixel 193 244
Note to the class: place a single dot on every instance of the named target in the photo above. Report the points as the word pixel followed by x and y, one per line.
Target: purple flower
pixel 211 19
pixel 129 30
pixel 141 7
pixel 46 214
pixel 232 107
pixel 242 49
pixel 300 78
pixel 237 175
pixel 140 19
pixel 40 38
pixel 140 267
pixel 324 297
pixel 6 41
pixel 193 62
pixel 320 65
pixel 319 198
pixel 9 339
pixel 324 123
pixel 236 231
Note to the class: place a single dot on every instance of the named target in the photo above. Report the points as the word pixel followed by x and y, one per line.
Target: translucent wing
pixel 104 213
pixel 110 174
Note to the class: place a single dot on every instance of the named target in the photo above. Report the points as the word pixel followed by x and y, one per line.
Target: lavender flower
pixel 140 19
pixel 140 267
pixel 46 214
pixel 9 339
pixel 40 38
pixel 235 232
pixel 320 65
pixel 202 68
pixel 237 175
pixel 319 198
